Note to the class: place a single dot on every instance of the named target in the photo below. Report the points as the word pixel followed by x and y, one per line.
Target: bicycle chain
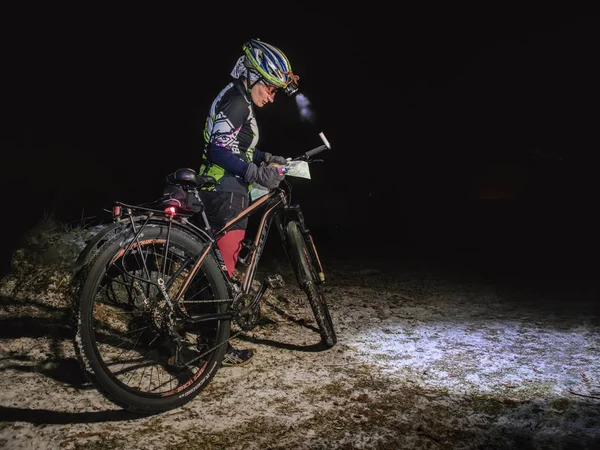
pixel 231 336
pixel 210 350
pixel 207 301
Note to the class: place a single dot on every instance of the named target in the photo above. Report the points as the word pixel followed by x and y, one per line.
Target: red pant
pixel 220 208
pixel 230 245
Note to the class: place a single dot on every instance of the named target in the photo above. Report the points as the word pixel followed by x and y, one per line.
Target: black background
pixel 425 110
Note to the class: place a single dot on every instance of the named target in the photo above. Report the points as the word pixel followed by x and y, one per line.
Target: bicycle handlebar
pixel 316 150
pixel 311 153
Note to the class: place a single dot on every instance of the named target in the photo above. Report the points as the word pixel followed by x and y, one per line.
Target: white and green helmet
pixel 271 64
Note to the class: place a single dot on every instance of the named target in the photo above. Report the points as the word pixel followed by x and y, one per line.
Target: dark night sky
pixel 99 105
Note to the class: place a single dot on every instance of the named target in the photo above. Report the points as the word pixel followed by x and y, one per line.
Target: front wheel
pixel 309 282
pixel 141 348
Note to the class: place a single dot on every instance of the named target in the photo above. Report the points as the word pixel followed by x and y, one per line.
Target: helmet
pixel 272 65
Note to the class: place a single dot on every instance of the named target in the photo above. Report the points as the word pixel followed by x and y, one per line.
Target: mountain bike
pixel 156 306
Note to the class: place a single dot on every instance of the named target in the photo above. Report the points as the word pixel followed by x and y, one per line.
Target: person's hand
pixel 269 159
pixel 267 176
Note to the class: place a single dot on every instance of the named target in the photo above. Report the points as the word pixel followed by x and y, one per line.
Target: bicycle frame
pixel 274 206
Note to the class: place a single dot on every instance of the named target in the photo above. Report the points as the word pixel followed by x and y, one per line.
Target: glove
pixel 266 176
pixel 269 158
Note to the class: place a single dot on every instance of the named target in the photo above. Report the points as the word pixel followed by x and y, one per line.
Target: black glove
pixel 269 158
pixel 266 176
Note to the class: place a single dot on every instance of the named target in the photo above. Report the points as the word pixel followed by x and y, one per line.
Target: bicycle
pixel 156 303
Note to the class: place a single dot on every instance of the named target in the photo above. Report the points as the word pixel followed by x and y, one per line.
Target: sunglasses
pixel 270 89
pixel 290 88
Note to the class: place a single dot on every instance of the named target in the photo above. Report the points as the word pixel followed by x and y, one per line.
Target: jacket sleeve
pixel 227 160
pixel 258 156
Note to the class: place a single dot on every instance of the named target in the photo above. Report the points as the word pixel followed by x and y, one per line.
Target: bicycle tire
pixel 122 340
pixel 307 279
pixel 108 232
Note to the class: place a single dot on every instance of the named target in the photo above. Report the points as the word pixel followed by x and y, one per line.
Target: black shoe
pixel 235 357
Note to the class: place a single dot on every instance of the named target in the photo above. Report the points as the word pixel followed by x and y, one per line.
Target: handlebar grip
pixel 316 150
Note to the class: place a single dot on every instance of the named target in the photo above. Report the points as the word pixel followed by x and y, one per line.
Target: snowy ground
pixel 429 356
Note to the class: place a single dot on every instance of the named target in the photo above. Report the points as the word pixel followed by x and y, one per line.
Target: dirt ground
pixel 428 357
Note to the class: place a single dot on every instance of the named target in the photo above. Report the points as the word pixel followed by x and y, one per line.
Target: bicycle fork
pixel 294 212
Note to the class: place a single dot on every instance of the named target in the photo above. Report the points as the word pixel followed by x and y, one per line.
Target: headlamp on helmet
pixel 291 88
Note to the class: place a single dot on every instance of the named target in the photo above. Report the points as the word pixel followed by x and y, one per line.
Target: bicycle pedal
pixel 275 281
pixel 191 338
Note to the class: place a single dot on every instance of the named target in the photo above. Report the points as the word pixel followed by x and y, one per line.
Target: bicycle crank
pixel 246 312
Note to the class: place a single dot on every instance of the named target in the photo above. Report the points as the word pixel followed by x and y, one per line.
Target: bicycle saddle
pixel 185 177
pixel 189 178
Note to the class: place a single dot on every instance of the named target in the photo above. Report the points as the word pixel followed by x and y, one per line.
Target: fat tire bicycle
pixel 156 306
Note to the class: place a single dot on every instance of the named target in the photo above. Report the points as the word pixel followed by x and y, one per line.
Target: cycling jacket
pixel 230 136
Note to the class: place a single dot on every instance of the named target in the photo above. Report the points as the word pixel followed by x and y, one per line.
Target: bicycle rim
pixel 138 352
pixel 307 280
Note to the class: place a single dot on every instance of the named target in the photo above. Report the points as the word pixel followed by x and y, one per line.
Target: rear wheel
pixel 309 282
pixel 139 352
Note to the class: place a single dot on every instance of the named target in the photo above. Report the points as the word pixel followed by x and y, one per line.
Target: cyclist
pixel 230 154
